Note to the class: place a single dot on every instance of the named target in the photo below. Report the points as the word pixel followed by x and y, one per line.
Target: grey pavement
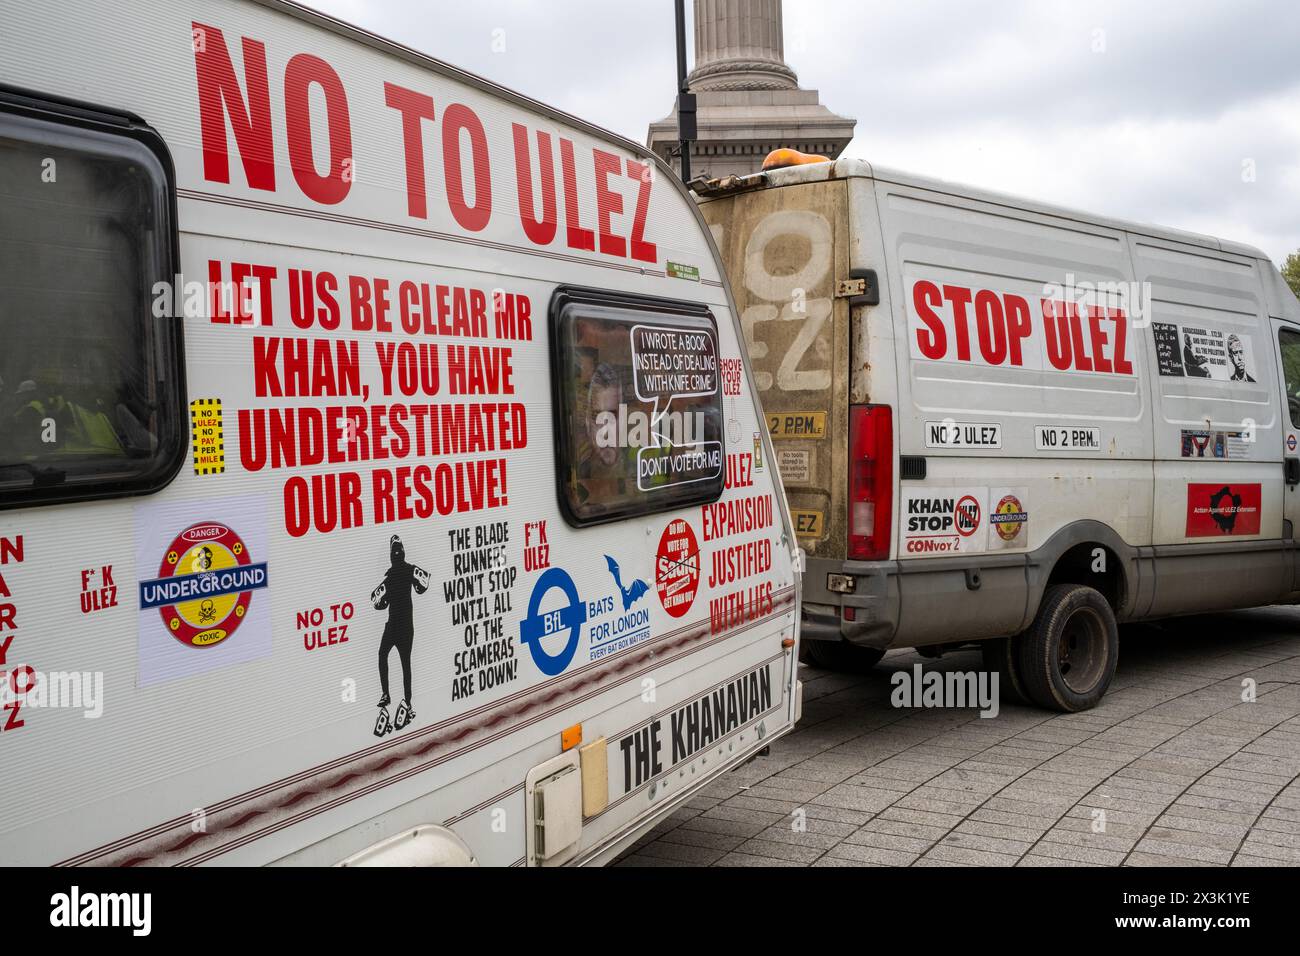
pixel 1173 768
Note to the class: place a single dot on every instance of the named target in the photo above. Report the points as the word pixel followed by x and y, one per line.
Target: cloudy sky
pixel 1180 112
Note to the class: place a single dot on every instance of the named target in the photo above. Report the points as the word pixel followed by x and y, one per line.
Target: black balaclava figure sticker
pixel 394 594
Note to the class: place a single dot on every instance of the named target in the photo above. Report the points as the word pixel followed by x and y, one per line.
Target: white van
pixel 381 474
pixel 1001 421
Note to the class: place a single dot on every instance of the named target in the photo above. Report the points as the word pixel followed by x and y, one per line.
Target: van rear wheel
pixel 1068 655
pixel 839 655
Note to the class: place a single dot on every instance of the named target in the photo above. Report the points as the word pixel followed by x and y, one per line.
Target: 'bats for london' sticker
pixel 204 585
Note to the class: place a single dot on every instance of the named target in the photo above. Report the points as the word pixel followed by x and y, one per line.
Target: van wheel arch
pixel 1087 553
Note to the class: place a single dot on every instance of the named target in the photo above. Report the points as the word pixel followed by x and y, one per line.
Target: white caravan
pixel 381 474
pixel 1001 421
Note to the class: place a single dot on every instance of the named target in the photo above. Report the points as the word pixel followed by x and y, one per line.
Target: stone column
pixel 738 46
pixel 749 101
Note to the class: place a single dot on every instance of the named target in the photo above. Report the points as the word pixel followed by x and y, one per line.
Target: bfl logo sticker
pixel 541 625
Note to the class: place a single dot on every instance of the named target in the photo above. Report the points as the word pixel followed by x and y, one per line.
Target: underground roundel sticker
pixel 205 584
pixel 1008 517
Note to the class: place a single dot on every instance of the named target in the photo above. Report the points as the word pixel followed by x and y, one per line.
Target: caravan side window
pixel 639 402
pixel 91 383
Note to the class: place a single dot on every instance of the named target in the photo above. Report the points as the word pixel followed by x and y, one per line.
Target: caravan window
pixel 90 380
pixel 639 402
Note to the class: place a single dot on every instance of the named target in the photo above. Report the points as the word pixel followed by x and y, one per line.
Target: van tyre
pixel 839 655
pixel 1002 657
pixel 1068 656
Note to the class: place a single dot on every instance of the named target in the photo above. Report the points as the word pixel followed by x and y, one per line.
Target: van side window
pixel 1289 341
pixel 639 403
pixel 91 383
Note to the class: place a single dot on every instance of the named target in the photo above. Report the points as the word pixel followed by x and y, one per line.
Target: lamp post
pixel 686 130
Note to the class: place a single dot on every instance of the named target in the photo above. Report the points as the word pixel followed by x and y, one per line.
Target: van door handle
pixel 1292 468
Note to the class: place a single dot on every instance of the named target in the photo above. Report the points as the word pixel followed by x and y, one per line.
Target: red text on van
pixel 324 167
pixel 954 323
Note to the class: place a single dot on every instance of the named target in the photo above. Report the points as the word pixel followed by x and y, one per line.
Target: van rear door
pixel 1287 336
pixel 791 244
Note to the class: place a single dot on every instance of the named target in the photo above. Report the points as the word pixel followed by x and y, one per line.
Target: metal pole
pixel 685 99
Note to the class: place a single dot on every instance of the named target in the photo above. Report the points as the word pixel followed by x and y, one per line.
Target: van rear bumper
pixel 874 603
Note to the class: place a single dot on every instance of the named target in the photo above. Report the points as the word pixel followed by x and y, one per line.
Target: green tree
pixel 1291 272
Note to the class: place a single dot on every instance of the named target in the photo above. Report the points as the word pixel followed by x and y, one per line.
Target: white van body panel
pixel 272 754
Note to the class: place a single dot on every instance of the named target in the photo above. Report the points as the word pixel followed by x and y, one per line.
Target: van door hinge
pixel 860 288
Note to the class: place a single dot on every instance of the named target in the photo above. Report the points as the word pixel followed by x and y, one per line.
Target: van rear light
pixel 871 481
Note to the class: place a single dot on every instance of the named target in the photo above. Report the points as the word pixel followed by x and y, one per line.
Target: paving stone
pixel 733 827
pixel 919 831
pixel 640 859
pixel 702 838
pixel 1079 854
pixel 975 841
pixel 808 838
pixel 888 841
pixel 748 859
pixel 871 854
pixel 948 853
pixel 1186 824
pixel 1039 859
pixel 781 851
pixel 856 798
pixel 840 861
pixel 1000 831
pixel 1163 845
pixel 1152 859
pixel 682 853
pixel 957 808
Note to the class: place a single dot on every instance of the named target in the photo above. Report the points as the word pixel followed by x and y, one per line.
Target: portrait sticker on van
pixel 992 328
pixel 938 521
pixel 1199 352
pixel 950 434
pixel 1168 361
pixel 808 524
pixel 1066 438
pixel 797 424
pixel 1215 510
